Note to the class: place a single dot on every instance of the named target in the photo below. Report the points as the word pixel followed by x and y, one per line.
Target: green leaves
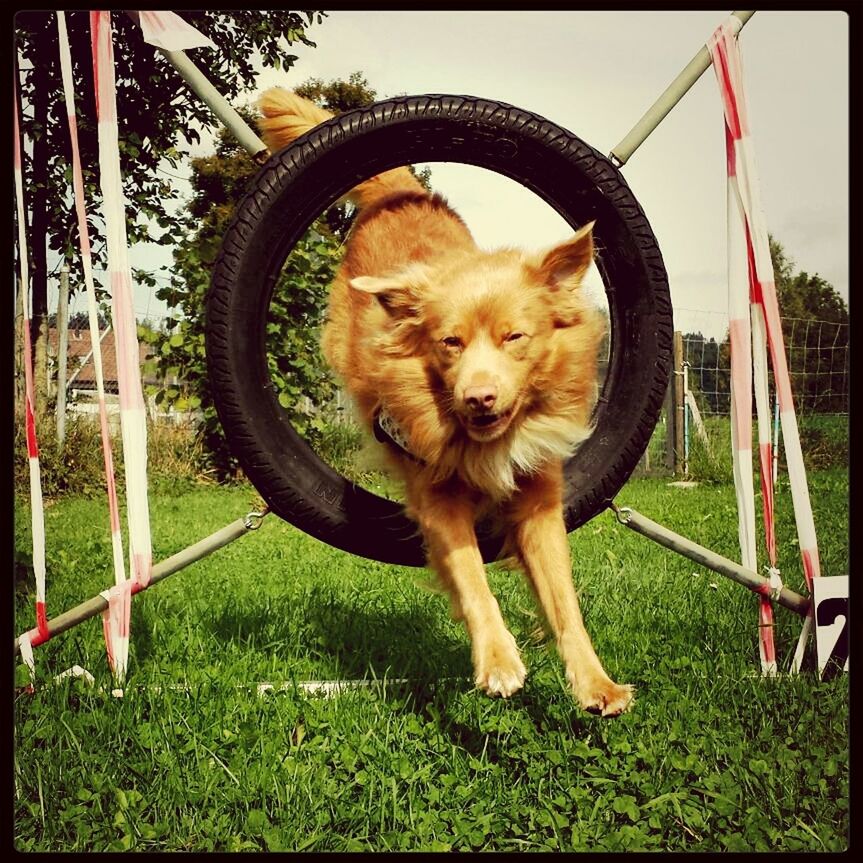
pixel 299 375
pixel 157 120
pixel 625 805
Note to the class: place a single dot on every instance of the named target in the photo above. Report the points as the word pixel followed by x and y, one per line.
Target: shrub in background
pixel 175 454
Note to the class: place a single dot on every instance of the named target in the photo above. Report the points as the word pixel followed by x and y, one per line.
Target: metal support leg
pixel 167 567
pixel 674 541
pixel 215 101
pixel 675 91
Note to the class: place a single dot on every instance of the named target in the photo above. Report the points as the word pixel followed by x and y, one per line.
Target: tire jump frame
pixel 300 182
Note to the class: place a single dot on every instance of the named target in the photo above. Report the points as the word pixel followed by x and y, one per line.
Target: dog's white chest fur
pixel 494 468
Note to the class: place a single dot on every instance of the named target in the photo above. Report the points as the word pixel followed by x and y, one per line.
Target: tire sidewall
pixel 299 183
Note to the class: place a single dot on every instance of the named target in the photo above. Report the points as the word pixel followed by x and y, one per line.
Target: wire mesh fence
pixel 817 352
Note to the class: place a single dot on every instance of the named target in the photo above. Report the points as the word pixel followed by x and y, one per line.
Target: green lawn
pixel 712 757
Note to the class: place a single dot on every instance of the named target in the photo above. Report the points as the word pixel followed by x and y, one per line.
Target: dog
pixel 478 372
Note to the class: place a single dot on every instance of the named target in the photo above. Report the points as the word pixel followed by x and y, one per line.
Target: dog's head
pixel 487 325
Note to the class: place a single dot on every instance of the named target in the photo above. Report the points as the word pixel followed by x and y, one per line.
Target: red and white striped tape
pixel 95 341
pixel 133 417
pixel 754 326
pixel 168 31
pixel 37 516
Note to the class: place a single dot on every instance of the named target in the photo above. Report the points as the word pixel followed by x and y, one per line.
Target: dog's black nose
pixel 480 398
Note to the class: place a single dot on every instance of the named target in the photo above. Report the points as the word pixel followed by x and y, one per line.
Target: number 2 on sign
pixel 830 596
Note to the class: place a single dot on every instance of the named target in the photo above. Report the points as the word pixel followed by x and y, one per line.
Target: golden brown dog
pixel 484 365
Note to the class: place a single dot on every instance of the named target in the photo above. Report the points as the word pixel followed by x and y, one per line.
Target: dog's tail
pixel 287 116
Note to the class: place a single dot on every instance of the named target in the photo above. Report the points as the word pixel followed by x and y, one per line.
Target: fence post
pixel 669 425
pixel 41 374
pixel 678 404
pixel 62 351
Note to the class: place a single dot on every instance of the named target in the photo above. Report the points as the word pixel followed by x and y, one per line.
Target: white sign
pixel 830 600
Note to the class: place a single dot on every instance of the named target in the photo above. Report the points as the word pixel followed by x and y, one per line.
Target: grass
pixel 76 466
pixel 824 441
pixel 711 758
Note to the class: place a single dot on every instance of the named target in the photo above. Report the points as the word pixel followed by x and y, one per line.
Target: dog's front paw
pixel 604 697
pixel 499 669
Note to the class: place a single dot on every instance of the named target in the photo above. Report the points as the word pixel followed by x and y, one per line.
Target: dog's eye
pixel 452 341
pixel 514 337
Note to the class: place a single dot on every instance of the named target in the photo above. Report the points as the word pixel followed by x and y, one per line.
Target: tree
pixel 803 296
pixel 815 330
pixel 296 312
pixel 338 95
pixel 157 117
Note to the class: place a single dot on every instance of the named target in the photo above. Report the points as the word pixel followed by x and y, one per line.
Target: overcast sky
pixel 595 73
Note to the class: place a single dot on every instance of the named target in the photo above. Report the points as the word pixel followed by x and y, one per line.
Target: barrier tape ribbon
pixel 170 32
pixel 37 515
pixel 95 340
pixel 755 327
pixel 133 418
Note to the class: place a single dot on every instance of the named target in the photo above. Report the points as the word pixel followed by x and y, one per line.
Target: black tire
pixel 297 184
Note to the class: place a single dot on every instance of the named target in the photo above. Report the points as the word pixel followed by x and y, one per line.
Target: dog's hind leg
pixel 539 537
pixel 447 522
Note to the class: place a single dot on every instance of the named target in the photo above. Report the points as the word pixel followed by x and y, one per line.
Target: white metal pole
pixel 675 91
pixel 686 418
pixel 698 553
pixel 217 103
pixel 776 443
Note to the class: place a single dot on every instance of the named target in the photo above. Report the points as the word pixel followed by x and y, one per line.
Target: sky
pixel 595 73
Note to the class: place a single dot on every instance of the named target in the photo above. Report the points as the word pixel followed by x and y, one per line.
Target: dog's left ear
pixel 564 266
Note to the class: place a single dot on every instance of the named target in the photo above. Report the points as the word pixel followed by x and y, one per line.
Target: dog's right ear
pixel 399 295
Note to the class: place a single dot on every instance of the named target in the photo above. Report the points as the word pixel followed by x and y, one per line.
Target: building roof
pixel 80 369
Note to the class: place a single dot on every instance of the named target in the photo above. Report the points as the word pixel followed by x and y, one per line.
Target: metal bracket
pixel 252 520
pixel 623 513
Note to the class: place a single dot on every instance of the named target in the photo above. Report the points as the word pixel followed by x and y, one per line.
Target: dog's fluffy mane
pixel 555 420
